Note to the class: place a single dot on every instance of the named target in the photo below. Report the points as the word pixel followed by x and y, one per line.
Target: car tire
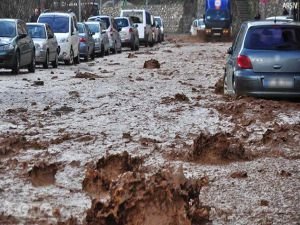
pixel 114 49
pixel 16 67
pixel 93 54
pixel 77 58
pixel 55 62
pixel 102 53
pixel 31 66
pixel 71 60
pixel 46 63
pixel 86 57
pixel 225 85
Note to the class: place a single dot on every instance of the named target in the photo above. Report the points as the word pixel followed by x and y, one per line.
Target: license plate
pixel 278 83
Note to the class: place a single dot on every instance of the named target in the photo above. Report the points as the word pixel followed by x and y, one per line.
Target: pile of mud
pixel 43 174
pixel 124 194
pixel 151 64
pixel 179 97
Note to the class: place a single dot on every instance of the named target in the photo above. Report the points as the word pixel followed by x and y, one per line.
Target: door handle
pixel 277 67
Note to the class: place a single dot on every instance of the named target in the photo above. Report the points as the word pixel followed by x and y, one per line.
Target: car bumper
pixel 83 49
pixel 64 52
pixel 40 56
pixel 267 84
pixel 7 59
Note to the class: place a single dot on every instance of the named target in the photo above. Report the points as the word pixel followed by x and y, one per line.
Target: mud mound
pixel 131 55
pixel 219 86
pixel 163 198
pixel 99 179
pixel 86 75
pixel 217 149
pixel 151 64
pixel 179 97
pixel 43 174
pixel 70 221
pixel 13 143
pixel 7 220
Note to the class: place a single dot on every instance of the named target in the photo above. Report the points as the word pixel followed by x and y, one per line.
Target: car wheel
pixel 225 85
pixel 102 53
pixel 31 67
pixel 137 47
pixel 77 58
pixel 86 57
pixel 16 67
pixel 46 63
pixel 107 52
pixel 114 49
pixel 55 62
pixel 93 54
pixel 71 60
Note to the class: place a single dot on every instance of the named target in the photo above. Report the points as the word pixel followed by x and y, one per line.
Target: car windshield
pixel 59 24
pixel 93 27
pixel 121 22
pixel 80 28
pixel 273 38
pixel 7 29
pixel 137 15
pixel 158 21
pixel 213 14
pixel 106 20
pixel 36 31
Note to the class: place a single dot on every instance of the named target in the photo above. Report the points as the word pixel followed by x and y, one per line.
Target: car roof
pixel 270 22
pixel 38 24
pixel 9 19
pixel 134 10
pixel 288 18
pixel 58 13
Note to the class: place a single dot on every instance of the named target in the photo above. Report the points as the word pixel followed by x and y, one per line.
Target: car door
pixel 52 43
pixel 24 44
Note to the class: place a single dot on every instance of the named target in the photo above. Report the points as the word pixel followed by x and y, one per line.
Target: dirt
pixel 43 174
pixel 134 198
pixel 151 64
pixel 110 142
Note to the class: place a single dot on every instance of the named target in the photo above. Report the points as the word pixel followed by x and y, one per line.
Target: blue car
pixel 264 60
pixel 87 43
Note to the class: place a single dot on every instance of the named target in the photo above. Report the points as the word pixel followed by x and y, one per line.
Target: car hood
pixel 60 36
pixel 5 40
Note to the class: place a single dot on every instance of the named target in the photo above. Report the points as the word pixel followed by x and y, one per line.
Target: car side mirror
pixel 229 51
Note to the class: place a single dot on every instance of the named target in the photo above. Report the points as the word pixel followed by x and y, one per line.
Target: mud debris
pixel 219 148
pixel 219 86
pixel 151 64
pixel 86 75
pixel 43 174
pixel 179 97
pixel 98 180
pixel 131 56
pixel 239 174
pixel 162 198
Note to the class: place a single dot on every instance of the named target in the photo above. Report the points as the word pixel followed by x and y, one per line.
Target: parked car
pixel 98 28
pixel 156 32
pixel 280 18
pixel 143 22
pixel 112 32
pixel 16 46
pixel 46 46
pixel 159 22
pixel 129 33
pixel 197 25
pixel 64 26
pixel 264 60
pixel 87 43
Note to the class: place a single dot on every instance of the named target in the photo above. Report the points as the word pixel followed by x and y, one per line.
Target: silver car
pixel 112 32
pixel 98 28
pixel 129 33
pixel 264 60
pixel 46 46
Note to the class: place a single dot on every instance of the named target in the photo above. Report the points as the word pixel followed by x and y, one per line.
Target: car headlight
pixel 6 47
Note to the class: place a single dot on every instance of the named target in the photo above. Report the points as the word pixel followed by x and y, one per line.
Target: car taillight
pixel 82 39
pixel 244 62
pixel 130 30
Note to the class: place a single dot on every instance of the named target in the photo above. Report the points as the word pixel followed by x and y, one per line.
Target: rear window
pixel 138 16
pixel 122 22
pixel 273 38
pixel 106 20
pixel 94 28
pixel 36 31
pixel 59 24
pixel 81 28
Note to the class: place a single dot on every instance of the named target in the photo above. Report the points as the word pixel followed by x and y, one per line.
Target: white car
pixel 98 28
pixel 64 26
pixel 143 23
pixel 198 24
pixel 46 46
pixel 129 33
pixel 112 32
pixel 281 18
